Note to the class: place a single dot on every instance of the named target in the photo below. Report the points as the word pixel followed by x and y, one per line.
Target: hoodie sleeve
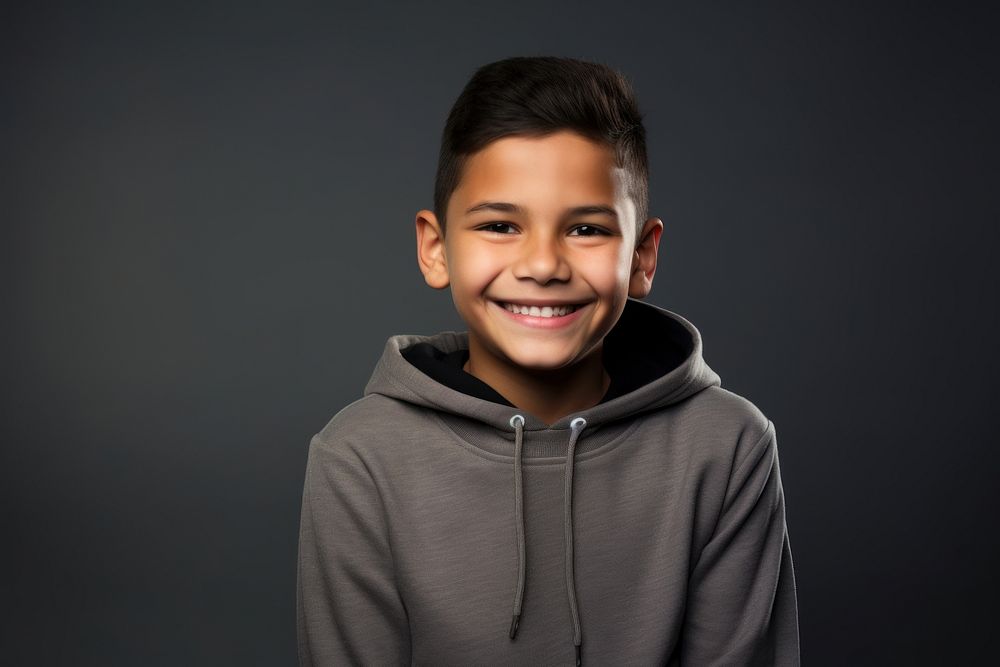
pixel 349 609
pixel 742 607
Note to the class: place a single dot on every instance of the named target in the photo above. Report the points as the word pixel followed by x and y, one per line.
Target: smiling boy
pixel 569 467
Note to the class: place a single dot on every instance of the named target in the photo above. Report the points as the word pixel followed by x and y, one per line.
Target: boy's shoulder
pixel 730 426
pixel 364 415
pixel 364 425
pixel 722 406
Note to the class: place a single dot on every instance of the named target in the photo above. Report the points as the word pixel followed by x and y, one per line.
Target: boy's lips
pixel 556 322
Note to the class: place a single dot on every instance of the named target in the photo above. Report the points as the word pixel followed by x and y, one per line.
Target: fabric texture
pixel 441 525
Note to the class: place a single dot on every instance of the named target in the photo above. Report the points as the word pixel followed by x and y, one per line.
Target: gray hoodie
pixel 441 528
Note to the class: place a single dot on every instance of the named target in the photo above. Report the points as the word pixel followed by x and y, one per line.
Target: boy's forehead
pixel 560 166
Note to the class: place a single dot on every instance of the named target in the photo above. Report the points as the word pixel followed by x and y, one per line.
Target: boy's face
pixel 540 251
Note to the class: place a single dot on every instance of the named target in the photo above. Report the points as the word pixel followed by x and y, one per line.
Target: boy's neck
pixel 548 396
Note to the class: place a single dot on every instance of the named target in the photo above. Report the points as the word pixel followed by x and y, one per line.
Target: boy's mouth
pixel 540 311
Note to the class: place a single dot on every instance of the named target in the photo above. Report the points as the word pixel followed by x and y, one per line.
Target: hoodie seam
pixel 749 456
pixel 682 389
pixel 733 475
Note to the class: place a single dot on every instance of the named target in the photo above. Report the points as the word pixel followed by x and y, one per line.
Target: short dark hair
pixel 536 96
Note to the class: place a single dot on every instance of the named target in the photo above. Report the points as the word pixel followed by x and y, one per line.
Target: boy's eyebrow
pixel 506 207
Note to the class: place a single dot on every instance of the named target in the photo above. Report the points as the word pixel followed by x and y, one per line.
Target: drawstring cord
pixel 519 523
pixel 576 426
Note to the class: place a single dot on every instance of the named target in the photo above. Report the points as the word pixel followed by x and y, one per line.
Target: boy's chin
pixel 542 359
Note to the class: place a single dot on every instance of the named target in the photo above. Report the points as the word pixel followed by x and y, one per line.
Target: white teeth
pixel 544 311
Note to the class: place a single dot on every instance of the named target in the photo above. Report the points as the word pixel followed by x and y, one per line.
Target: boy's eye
pixel 596 231
pixel 494 224
pixel 591 229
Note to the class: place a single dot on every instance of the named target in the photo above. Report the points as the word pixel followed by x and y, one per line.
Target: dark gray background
pixel 208 235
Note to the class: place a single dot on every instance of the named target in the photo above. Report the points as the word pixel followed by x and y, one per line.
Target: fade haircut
pixel 537 96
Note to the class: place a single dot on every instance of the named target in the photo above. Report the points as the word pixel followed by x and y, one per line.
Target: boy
pixel 569 468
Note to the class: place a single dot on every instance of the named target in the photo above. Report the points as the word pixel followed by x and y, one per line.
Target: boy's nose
pixel 542 259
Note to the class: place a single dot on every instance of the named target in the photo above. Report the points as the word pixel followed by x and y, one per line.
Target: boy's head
pixel 541 198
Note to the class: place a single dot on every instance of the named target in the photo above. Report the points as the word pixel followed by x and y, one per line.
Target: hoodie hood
pixel 660 350
pixel 654 358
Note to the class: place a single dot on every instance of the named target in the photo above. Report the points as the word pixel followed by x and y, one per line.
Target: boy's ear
pixel 431 251
pixel 644 259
